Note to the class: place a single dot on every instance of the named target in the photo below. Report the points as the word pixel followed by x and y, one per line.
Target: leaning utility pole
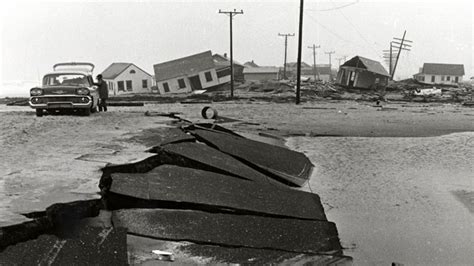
pixel 298 67
pixel 389 56
pixel 286 46
pixel 314 47
pixel 330 66
pixel 400 45
pixel 231 15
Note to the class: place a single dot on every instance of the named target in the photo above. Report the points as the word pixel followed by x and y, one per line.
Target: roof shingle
pixel 189 65
pixel 443 69
pixel 114 70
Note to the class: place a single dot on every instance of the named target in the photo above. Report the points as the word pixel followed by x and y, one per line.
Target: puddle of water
pixel 392 198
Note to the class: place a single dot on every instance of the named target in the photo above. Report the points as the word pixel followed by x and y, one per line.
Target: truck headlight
pixel 82 91
pixel 36 92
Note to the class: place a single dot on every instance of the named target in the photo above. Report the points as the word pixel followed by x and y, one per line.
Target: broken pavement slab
pixel 181 187
pixel 216 161
pixel 291 235
pixel 291 166
pixel 190 253
pixel 92 246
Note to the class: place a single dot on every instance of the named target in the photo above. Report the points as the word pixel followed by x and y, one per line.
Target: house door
pixel 352 77
pixel 195 83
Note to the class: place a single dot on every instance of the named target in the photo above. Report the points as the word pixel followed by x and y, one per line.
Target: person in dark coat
pixel 103 93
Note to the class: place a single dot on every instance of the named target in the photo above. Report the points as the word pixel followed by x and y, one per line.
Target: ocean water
pixel 405 200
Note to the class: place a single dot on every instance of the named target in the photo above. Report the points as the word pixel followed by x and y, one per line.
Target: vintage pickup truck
pixel 69 87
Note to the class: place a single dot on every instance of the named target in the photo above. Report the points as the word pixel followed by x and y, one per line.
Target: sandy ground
pixel 393 199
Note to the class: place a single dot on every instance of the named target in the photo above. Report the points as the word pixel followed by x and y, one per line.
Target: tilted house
pixel 222 63
pixel 432 73
pixel 186 74
pixel 361 72
pixel 125 78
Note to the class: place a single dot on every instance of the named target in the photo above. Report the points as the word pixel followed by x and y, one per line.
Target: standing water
pixel 405 200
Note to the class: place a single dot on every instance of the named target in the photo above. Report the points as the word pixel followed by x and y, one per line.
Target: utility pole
pixel 389 56
pixel 330 66
pixel 286 46
pixel 343 59
pixel 231 14
pixel 400 44
pixel 314 47
pixel 298 66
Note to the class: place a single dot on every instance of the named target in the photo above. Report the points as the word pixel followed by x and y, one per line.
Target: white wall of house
pixel 136 77
pixel 213 82
pixel 438 79
pixel 260 76
pixel 173 85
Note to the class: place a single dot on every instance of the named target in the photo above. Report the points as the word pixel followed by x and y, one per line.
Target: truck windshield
pixel 65 80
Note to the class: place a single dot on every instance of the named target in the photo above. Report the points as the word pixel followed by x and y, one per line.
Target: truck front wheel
pixel 39 112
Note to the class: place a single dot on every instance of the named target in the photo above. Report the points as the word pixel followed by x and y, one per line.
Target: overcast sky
pixel 35 35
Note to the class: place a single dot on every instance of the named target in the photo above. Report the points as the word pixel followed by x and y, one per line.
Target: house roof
pixel 115 69
pixel 261 70
pixel 221 61
pixel 368 64
pixel 250 64
pixel 443 69
pixel 184 66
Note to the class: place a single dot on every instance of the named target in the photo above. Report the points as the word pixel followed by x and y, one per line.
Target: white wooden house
pixel 183 75
pixel 432 73
pixel 123 78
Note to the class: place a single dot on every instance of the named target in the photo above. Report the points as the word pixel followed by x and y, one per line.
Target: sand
pixel 393 199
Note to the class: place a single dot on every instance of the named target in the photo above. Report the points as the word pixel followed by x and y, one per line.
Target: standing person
pixel 103 93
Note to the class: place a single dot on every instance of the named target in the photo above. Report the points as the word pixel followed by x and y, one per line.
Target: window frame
pixel 181 82
pixel 433 78
pixel 144 83
pixel 127 82
pixel 121 85
pixel 166 87
pixel 208 76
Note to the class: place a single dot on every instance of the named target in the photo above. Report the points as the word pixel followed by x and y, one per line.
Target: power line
pixel 358 32
pixel 231 14
pixel 335 8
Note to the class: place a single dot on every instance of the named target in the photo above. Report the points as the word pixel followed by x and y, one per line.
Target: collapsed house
pixel 432 73
pixel 222 63
pixel 195 72
pixel 361 72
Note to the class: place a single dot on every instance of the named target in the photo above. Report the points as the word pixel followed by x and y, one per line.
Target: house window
pixel 129 85
pixel 422 78
pixel 442 78
pixel 132 71
pixel 181 83
pixel 456 79
pixel 166 87
pixel 145 83
pixel 208 76
pixel 223 73
pixel 432 78
pixel 121 87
